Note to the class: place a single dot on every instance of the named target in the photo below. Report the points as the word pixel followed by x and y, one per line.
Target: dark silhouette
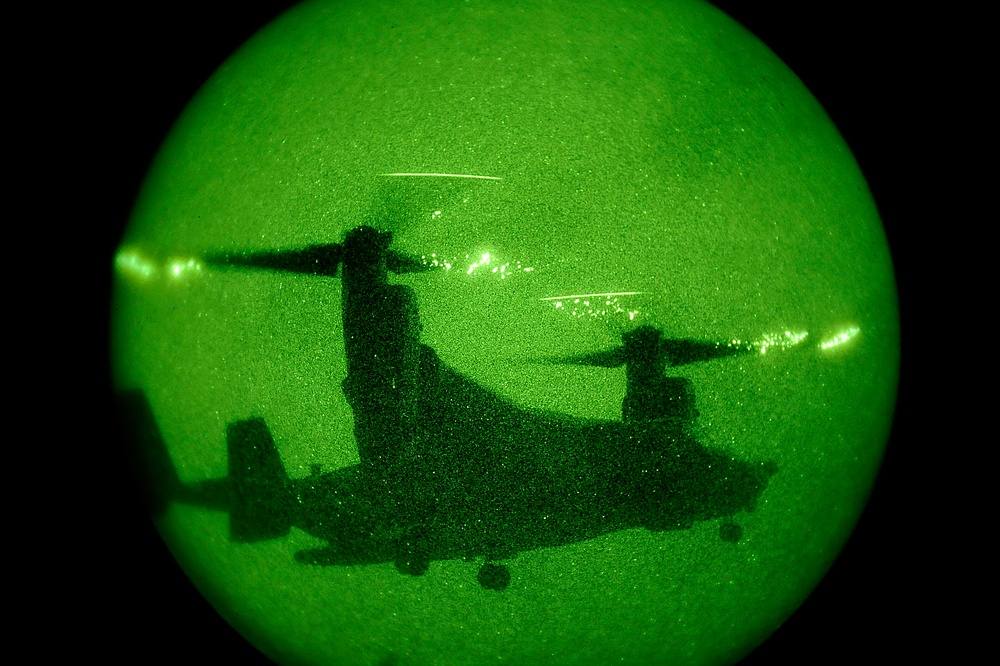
pixel 451 470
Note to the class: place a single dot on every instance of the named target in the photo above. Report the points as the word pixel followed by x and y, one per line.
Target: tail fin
pixel 262 503
pixel 151 460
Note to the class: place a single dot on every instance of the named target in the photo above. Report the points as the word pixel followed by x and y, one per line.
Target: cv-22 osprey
pixel 449 469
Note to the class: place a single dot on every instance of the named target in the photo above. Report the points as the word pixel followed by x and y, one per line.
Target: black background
pixel 135 69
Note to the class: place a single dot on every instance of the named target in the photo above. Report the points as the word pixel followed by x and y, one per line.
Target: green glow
pixel 484 260
pixel 650 163
pixel 432 260
pixel 840 338
pixel 132 263
pixel 183 268
pixel 783 340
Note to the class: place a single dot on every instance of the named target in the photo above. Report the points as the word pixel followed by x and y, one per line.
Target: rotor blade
pixel 608 358
pixel 311 260
pixel 683 352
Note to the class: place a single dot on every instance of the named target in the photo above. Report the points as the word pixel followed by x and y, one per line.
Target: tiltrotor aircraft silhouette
pixel 450 469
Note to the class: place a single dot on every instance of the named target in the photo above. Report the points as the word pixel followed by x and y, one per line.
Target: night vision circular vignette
pixel 526 286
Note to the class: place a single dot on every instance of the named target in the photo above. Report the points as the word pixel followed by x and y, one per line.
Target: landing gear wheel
pixel 494 576
pixel 730 531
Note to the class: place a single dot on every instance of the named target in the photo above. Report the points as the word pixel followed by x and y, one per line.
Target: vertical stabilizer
pixel 262 499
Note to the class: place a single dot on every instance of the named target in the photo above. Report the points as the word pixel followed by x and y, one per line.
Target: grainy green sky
pixel 650 147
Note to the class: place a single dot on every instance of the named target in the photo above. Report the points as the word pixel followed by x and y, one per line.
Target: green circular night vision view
pixel 464 332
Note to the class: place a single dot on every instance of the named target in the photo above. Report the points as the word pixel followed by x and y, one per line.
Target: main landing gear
pixel 730 531
pixel 494 576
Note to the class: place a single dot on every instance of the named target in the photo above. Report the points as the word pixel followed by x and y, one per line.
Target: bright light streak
pixel 179 268
pixel 784 340
pixel 483 261
pixel 840 338
pixel 502 270
pixel 604 295
pixel 131 262
pixel 433 260
pixel 439 175
pixel 594 305
pixel 134 264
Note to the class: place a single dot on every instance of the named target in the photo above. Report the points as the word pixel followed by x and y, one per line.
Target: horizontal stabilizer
pixel 262 499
